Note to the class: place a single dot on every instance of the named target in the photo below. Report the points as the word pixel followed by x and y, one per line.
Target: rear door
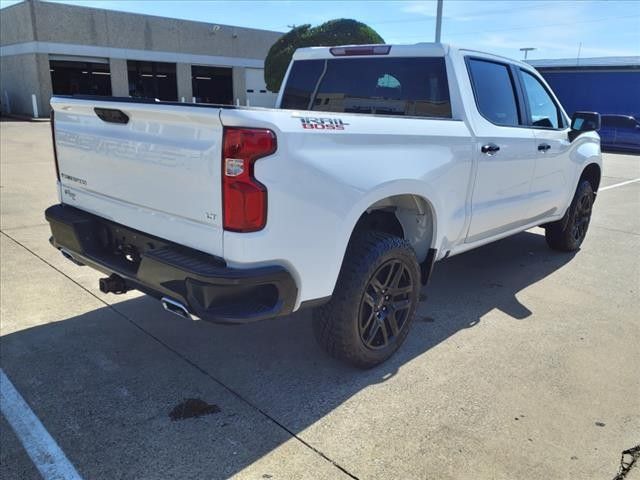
pixel 554 173
pixel 153 167
pixel 505 149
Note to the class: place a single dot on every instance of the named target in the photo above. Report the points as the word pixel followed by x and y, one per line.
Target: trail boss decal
pixel 319 123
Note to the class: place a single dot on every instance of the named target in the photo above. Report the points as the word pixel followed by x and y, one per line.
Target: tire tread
pixel 332 321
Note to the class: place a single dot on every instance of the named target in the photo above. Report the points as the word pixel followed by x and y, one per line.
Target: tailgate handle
pixel 111 115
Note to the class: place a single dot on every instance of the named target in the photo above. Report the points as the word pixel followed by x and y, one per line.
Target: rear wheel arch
pixel 408 216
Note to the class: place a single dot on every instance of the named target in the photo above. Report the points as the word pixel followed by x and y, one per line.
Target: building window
pixel 152 80
pixel 212 84
pixel 84 78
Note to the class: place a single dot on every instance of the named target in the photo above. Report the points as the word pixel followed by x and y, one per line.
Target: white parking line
pixel 40 446
pixel 619 184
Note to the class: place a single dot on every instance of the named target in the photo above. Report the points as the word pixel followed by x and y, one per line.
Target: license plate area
pixel 120 246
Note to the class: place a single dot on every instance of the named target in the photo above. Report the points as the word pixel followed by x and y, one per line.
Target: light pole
pixel 526 50
pixel 439 21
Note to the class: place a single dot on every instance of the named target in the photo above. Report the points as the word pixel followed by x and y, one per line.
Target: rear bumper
pixel 201 282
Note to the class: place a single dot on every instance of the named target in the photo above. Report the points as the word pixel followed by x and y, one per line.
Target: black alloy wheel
pixel 582 217
pixel 385 304
pixel 373 303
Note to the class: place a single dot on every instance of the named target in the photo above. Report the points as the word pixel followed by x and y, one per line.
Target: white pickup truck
pixel 377 162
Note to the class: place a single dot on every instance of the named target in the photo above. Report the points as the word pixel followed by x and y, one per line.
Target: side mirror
pixel 583 122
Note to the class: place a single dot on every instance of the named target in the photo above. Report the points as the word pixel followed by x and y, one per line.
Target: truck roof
pixel 423 49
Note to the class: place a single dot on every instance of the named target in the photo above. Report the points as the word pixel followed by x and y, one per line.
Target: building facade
pixel 608 85
pixel 50 48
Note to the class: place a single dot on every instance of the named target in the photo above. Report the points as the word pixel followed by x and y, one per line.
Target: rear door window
pixel 494 90
pixel 384 86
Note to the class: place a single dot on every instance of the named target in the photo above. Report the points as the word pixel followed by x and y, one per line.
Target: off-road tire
pixel 568 233
pixel 338 324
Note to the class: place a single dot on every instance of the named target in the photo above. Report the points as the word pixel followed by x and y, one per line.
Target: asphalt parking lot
pixel 522 364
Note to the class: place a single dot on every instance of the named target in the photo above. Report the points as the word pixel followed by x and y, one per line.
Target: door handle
pixel 111 115
pixel 543 147
pixel 490 149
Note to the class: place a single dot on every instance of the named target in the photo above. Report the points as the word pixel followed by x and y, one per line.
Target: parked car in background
pixel 620 132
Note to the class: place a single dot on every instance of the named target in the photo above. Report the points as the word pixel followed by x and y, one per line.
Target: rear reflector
pixel 244 199
pixel 360 50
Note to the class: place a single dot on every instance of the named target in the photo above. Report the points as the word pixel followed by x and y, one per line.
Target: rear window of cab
pixel 401 86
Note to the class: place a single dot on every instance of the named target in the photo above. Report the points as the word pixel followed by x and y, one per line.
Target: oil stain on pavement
pixel 192 408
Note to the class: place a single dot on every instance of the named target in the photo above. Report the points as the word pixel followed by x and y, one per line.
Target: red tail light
pixel 55 150
pixel 244 199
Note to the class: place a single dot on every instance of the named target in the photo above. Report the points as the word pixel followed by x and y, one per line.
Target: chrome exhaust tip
pixel 176 308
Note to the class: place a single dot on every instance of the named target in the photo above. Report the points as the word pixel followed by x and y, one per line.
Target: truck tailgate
pixel 159 172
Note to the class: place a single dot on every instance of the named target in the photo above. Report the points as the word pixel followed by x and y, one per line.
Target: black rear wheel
pixel 374 301
pixel 385 304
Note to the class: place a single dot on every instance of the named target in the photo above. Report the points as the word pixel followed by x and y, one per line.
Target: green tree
pixel 332 33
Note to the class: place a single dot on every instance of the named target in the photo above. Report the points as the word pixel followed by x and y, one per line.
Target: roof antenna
pixel 439 21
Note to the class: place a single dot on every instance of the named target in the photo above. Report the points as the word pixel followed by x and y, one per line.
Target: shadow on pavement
pixel 105 389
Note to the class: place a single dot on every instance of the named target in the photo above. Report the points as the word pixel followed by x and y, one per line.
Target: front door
pixel 551 188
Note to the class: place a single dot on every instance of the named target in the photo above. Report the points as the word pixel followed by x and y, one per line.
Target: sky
pixel 555 28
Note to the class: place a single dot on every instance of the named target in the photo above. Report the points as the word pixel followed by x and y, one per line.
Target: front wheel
pixel 568 233
pixel 374 302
